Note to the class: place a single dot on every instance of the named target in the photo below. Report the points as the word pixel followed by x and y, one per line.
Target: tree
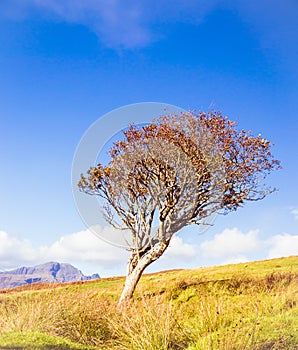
pixel 175 172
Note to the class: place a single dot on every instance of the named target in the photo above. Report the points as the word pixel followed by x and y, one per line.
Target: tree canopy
pixel 174 172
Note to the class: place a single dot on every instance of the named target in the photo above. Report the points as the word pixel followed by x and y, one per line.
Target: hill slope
pixel 233 307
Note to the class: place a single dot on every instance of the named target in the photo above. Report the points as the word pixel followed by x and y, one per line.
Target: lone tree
pixel 175 172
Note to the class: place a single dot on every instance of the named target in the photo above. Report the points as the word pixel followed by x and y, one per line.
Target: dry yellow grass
pixel 244 306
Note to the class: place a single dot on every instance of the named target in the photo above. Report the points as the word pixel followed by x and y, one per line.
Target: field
pixel 243 306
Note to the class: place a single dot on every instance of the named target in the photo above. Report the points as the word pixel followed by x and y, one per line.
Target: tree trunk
pixel 136 266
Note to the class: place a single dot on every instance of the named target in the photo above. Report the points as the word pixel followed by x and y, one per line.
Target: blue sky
pixel 65 64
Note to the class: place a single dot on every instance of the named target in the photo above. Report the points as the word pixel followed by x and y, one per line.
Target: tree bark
pixel 136 266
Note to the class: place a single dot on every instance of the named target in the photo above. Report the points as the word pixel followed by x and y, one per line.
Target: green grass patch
pixel 36 340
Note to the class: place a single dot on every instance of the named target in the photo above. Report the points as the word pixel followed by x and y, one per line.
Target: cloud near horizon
pixel 283 245
pixel 230 243
pixel 234 246
pixel 76 248
pixel 85 249
pixel 81 248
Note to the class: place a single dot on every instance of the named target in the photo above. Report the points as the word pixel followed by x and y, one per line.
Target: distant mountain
pixel 48 272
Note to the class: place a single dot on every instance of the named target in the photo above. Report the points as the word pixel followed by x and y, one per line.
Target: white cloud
pixel 295 213
pixel 91 254
pixel 118 23
pixel 234 246
pixel 283 245
pixel 81 249
pixel 13 249
pixel 84 246
pixel 235 260
pixel 178 255
pixel 178 249
pixel 130 23
pixel 230 244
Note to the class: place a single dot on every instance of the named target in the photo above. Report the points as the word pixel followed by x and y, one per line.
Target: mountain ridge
pixel 52 272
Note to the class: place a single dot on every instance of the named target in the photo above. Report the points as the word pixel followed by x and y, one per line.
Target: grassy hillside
pixel 243 306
